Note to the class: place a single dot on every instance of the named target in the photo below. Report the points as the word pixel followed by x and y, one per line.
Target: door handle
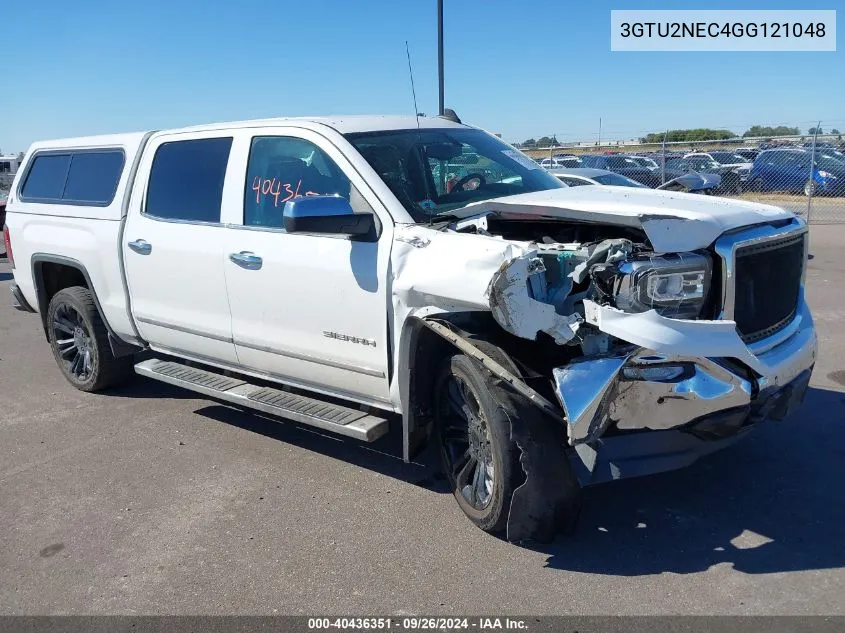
pixel 142 247
pixel 247 260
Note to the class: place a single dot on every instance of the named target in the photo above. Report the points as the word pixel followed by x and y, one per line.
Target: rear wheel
pixel 481 461
pixel 810 188
pixel 79 340
pixel 756 185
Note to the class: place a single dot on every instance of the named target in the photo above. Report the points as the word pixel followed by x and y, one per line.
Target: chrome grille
pixel 763 271
pixel 767 286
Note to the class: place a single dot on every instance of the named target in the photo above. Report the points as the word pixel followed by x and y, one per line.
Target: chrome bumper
pixel 646 389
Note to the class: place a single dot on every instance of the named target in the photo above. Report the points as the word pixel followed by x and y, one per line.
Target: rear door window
pixel 186 180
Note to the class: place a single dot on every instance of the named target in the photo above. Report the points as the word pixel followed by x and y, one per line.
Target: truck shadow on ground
pixel 773 502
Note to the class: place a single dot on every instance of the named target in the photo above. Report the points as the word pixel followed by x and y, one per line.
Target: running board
pixel 323 415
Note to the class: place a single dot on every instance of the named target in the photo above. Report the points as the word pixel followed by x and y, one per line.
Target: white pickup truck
pixel 324 270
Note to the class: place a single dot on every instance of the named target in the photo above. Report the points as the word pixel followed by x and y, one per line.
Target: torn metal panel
pixel 446 269
pixel 714 339
pixel 516 383
pixel 645 390
pixel 518 312
pixel 673 222
pixel 608 251
pixel 457 271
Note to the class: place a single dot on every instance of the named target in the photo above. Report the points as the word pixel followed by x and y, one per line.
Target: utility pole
pixel 599 131
pixel 442 108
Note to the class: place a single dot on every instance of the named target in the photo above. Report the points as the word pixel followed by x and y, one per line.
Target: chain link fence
pixel 804 174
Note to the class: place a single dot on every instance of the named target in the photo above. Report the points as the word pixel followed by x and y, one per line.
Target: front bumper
pixel 671 385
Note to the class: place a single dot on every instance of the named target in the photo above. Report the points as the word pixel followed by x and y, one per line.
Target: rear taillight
pixel 8 239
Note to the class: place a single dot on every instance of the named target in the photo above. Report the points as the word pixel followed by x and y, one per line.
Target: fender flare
pixel 119 347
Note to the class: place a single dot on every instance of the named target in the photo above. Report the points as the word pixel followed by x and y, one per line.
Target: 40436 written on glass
pixel 280 191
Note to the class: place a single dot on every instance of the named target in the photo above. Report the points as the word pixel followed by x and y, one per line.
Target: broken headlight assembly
pixel 675 285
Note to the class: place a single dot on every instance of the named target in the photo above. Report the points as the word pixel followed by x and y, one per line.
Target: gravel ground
pixel 148 500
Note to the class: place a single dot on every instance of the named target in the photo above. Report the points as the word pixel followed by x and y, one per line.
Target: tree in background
pixel 547 141
pixel 815 130
pixel 764 130
pixel 697 134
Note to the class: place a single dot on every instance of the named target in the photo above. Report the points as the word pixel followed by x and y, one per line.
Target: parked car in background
pixel 690 183
pixel 560 161
pixel 568 160
pixel 591 176
pixel 833 154
pixel 748 153
pixel 732 178
pixel 789 170
pixel 551 163
pixel 625 165
pixel 645 161
pixel 727 159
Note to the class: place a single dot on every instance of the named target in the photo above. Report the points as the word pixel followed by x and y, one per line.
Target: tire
pixel 79 340
pixel 810 188
pixel 756 185
pixel 476 440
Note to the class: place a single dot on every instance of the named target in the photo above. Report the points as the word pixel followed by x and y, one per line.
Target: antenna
pixel 414 93
pixel 413 90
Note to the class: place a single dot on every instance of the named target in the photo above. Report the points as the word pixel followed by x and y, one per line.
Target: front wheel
pixel 481 461
pixel 810 188
pixel 79 340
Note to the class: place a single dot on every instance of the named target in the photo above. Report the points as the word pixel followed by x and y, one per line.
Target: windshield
pixel 645 162
pixel 617 180
pixel 833 154
pixel 434 172
pixel 622 162
pixel 728 158
pixel 826 162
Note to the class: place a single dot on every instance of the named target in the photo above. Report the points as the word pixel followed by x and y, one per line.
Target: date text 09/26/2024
pixel 417 623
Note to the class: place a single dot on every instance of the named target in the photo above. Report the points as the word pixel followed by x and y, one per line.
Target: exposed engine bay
pixel 567 263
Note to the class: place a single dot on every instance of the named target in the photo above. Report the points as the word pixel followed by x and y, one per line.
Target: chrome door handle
pixel 247 260
pixel 143 247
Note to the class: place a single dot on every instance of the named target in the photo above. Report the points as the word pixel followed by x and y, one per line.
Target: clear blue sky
pixel 523 68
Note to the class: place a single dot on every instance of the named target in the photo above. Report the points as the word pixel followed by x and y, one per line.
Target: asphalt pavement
pixel 148 500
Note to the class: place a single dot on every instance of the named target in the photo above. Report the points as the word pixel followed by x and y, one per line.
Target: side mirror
pixel 326 214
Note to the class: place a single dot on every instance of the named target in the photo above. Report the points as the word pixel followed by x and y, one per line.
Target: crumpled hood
pixel 673 221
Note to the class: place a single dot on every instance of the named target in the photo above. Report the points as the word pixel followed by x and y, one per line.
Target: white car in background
pixel 560 162
pixel 689 183
pixel 724 158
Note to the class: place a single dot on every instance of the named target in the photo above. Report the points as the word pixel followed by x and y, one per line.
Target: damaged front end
pixel 654 357
pixel 657 349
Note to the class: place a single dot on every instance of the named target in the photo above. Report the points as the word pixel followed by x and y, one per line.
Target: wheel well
pixel 50 277
pixel 427 351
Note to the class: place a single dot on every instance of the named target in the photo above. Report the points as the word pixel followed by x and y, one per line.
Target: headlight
pixel 674 285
